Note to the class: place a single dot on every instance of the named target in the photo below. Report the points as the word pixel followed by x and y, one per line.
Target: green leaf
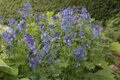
pixel 100 75
pixel 103 64
pixel 50 14
pixel 7 69
pixel 104 75
pixel 25 79
pixel 115 47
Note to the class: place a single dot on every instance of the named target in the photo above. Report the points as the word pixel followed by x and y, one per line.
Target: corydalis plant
pixel 56 45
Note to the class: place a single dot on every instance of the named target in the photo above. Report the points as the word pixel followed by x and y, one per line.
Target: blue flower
pixel 80 52
pixel 35 51
pixel 34 45
pixel 37 19
pixel 42 26
pixel 64 25
pixel 21 11
pixel 29 40
pixel 12 22
pixel 57 35
pixel 68 40
pixel 82 34
pixel 41 57
pixel 53 39
pixel 97 31
pixel 68 20
pixel 83 11
pixel 43 17
pixel 38 16
pixel 33 63
pixel 23 19
pixel 1 20
pixel 46 48
pixel 76 9
pixel 37 22
pixel 45 41
pixel 67 12
pixel 54 18
pixel 68 23
pixel 26 11
pixel 20 27
pixel 52 27
pixel 43 35
pixel 84 14
pixel 72 20
pixel 5 35
pixel 11 37
pixel 28 5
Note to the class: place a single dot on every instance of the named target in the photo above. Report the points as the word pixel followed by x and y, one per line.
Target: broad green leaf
pixel 100 75
pixel 25 79
pixel 7 69
pixel 104 75
pixel 8 77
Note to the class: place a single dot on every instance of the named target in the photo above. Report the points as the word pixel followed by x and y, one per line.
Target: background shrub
pixel 99 9
pixel 113 28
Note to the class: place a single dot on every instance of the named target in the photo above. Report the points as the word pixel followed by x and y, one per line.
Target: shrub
pixel 113 32
pixel 66 46
pixel 99 9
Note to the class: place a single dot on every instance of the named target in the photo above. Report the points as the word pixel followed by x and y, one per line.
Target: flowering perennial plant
pixel 56 47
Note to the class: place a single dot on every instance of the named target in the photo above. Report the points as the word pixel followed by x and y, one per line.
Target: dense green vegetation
pixel 113 27
pixel 100 9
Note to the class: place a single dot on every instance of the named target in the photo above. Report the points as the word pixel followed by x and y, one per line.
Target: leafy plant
pixel 113 28
pixel 66 46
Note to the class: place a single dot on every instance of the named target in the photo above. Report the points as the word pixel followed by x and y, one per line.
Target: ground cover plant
pixel 62 46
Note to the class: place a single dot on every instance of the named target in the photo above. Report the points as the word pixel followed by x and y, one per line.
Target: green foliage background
pixel 113 28
pixel 100 9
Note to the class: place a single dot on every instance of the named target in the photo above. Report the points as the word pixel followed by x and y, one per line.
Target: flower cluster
pixel 68 20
